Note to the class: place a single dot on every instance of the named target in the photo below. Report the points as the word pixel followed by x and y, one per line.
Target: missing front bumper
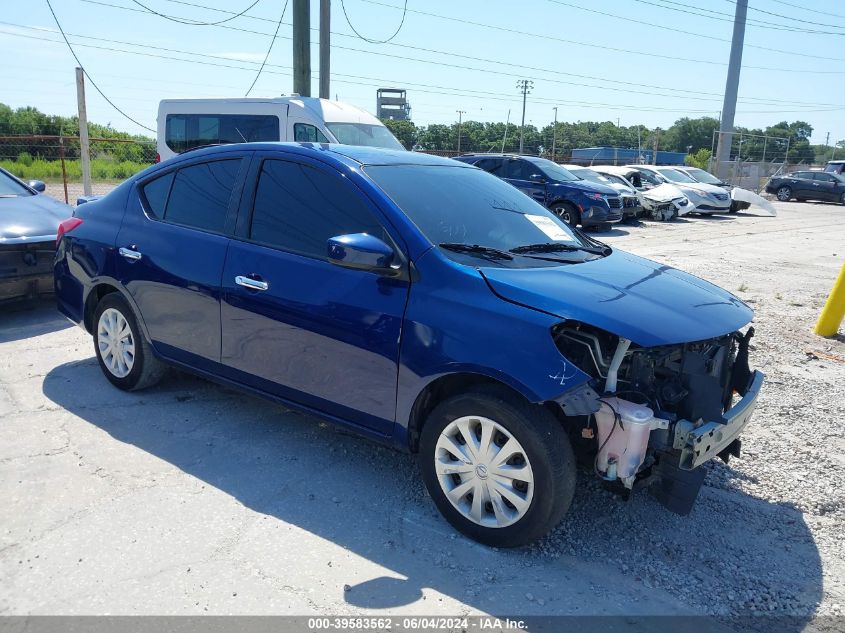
pixel 703 443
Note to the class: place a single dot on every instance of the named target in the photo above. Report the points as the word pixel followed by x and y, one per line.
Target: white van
pixel 187 123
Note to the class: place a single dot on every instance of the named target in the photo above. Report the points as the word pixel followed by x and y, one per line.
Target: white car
pixel 706 177
pixel 660 200
pixel 707 199
pixel 631 205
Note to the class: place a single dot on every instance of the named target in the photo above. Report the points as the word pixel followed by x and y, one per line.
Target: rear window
pixel 835 168
pixel 186 131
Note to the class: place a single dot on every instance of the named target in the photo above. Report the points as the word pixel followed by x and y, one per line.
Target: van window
pixel 199 197
pixel 298 208
pixel 186 131
pixel 305 133
pixel 364 134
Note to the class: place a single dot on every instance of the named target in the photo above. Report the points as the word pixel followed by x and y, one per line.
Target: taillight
pixel 158 157
pixel 66 226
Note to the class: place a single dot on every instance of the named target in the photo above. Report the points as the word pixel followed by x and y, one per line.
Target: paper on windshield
pixel 547 226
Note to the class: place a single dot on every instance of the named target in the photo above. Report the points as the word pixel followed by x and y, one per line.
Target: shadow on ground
pixel 606 557
pixel 33 317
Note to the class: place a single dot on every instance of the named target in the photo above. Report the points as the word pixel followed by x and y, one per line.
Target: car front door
pixel 525 177
pixel 293 323
pixel 803 185
pixel 825 185
pixel 172 245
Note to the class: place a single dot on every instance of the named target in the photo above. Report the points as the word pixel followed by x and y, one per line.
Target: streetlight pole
pixel 554 134
pixel 460 113
pixel 525 85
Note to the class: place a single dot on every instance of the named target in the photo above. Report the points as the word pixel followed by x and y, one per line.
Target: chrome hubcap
pixel 783 194
pixel 563 214
pixel 116 343
pixel 484 471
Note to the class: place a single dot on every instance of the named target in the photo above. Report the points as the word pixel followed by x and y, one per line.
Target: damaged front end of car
pixel 651 416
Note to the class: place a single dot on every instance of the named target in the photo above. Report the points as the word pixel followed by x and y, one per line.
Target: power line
pixel 173 18
pixel 674 30
pixel 354 30
pixel 425 88
pixel 789 17
pixel 808 9
pixel 93 83
pixel 693 10
pixel 269 48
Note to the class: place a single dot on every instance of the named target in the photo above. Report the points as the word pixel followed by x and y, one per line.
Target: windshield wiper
pixel 553 247
pixel 491 252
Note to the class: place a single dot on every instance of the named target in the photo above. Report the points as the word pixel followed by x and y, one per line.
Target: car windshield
pixel 461 205
pixel 553 170
pixel 617 179
pixel 364 134
pixel 11 188
pixel 589 174
pixel 703 176
pixel 673 175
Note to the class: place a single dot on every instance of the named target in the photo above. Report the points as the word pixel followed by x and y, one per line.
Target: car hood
pixel 585 185
pixel 663 193
pixel 31 217
pixel 641 300
pixel 623 189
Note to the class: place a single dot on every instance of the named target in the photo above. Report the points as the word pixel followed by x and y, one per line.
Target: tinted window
pixel 493 165
pixel 823 177
pixel 304 133
pixel 516 169
pixel 185 131
pixel 156 192
pixel 552 170
pixel 200 195
pixel 298 208
pixel 806 175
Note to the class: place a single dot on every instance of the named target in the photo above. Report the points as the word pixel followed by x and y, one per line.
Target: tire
pixel 842 199
pixel 784 193
pixel 567 213
pixel 540 451
pixel 131 365
pixel 734 207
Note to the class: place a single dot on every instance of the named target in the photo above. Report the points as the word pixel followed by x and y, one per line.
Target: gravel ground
pixel 189 498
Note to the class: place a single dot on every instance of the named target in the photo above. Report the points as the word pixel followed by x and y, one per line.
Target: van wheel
pixel 500 470
pixel 122 351
pixel 567 213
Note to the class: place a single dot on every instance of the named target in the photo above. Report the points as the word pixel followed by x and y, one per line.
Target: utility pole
pixel 302 47
pixel 507 125
pixel 84 145
pixel 656 145
pixel 726 127
pixel 325 47
pixel 460 113
pixel 525 85
pixel 554 134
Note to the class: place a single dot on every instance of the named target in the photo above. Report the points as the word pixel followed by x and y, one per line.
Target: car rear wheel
pixel 567 213
pixel 784 193
pixel 499 470
pixel 122 351
pixel 842 199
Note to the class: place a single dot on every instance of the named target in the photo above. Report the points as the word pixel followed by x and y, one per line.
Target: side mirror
pixel 37 185
pixel 540 178
pixel 361 252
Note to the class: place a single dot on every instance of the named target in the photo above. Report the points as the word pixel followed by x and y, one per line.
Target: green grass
pixel 51 170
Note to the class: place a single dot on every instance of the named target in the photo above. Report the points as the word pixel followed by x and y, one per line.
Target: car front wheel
pixel 122 351
pixel 842 199
pixel 567 213
pixel 784 193
pixel 499 470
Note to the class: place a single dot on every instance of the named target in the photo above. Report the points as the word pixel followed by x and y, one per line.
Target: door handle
pixel 129 254
pixel 252 284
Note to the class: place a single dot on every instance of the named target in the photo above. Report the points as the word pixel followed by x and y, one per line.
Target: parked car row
pixel 600 195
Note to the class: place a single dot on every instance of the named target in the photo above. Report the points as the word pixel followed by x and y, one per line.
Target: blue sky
pixel 638 61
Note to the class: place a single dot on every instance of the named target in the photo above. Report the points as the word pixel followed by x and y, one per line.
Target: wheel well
pixel 564 202
pixel 94 297
pixel 439 390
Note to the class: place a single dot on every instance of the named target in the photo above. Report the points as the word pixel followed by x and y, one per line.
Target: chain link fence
pixel 55 160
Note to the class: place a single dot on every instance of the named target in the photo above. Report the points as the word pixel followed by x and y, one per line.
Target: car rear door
pixel 295 324
pixel 172 246
pixel 803 185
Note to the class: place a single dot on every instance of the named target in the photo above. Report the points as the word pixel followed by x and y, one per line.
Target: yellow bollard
pixel 834 308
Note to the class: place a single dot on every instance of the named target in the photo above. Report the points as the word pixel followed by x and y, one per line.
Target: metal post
pixel 64 170
pixel 460 113
pixel 302 47
pixel 84 145
pixel 505 137
pixel 325 47
pixel 525 85
pixel 656 145
pixel 765 141
pixel 726 127
pixel 554 134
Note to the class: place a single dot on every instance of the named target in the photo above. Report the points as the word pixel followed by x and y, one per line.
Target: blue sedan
pixel 425 303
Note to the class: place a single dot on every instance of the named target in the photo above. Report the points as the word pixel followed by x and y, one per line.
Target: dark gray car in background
pixel 28 224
